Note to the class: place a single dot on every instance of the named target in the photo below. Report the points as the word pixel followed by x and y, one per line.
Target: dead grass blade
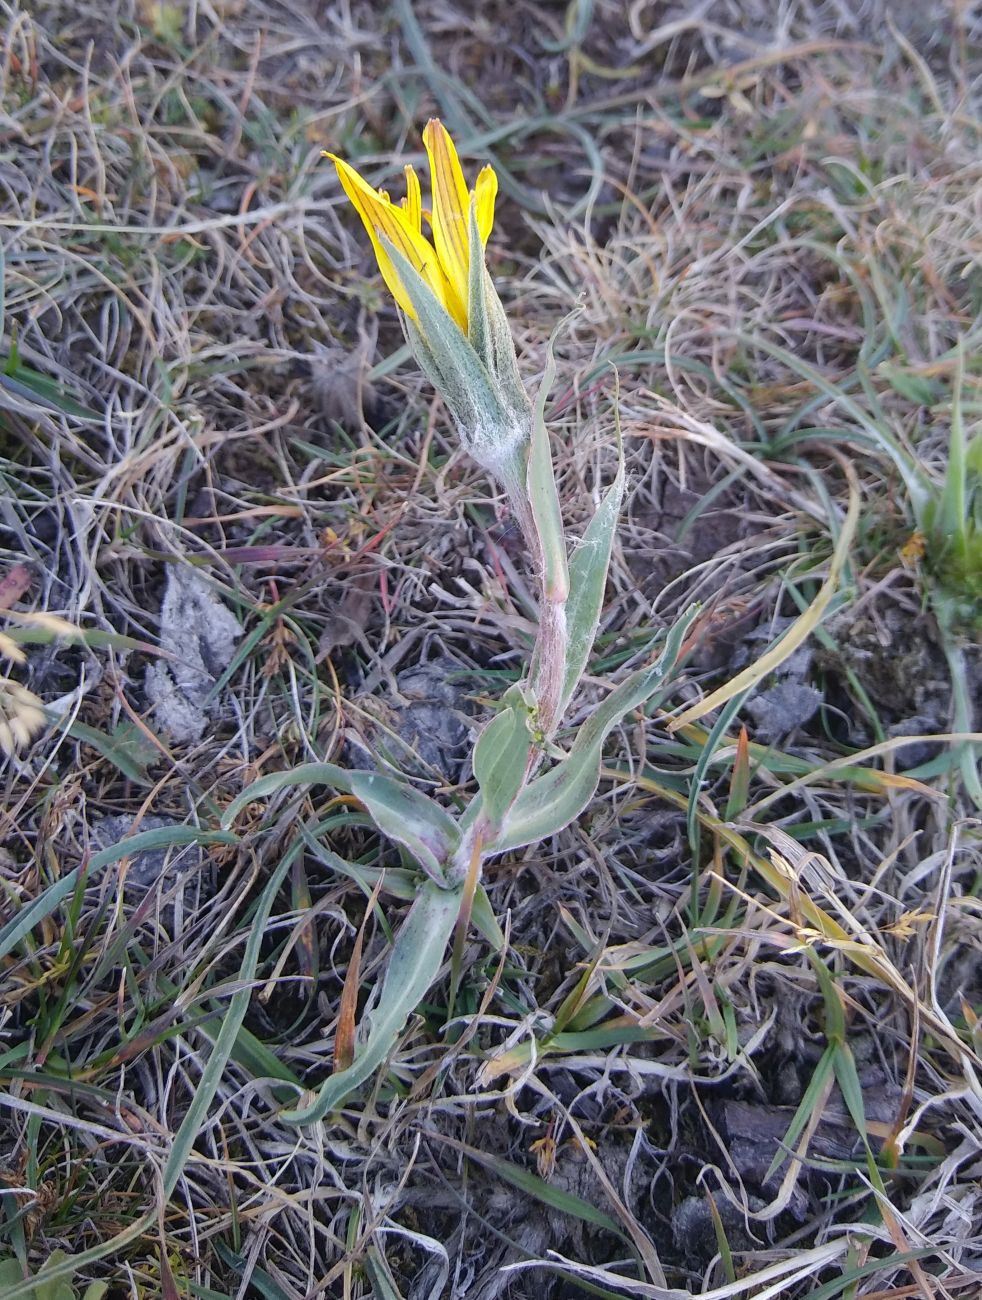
pixel 797 633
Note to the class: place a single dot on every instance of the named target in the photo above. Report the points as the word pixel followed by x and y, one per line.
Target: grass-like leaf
pixel 410 819
pixel 501 756
pixel 414 964
pixel 556 1198
pixel 228 1035
pixel 552 801
pixel 587 581
pixel 797 633
pixel 164 837
pixel 306 774
pixel 543 494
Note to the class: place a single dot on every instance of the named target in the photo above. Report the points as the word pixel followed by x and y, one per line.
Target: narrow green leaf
pixel 713 740
pixel 380 1276
pixel 501 756
pixel 415 961
pixel 852 1090
pixel 228 1036
pixel 887 1264
pixel 575 1000
pixel 254 1056
pixel 835 1017
pixel 395 880
pixel 811 1098
pixel 266 1285
pixel 94 638
pixel 951 518
pixel 482 914
pixel 587 582
pixel 544 495
pixel 911 386
pixel 552 801
pixel 304 775
pixel 40 390
pixel 722 1243
pixel 538 1188
pixel 594 1009
pixel 163 838
pixel 128 750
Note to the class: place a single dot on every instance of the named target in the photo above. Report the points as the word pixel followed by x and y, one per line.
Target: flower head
pixel 451 315
pixel 442 262
pixel 21 715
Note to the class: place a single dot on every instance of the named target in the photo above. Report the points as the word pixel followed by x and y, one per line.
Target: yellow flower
pixel 444 262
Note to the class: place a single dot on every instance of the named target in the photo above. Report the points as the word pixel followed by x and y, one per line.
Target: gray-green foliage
pixel 492 418
pixel 501 756
pixel 550 802
pixel 429 834
pixel 11 1276
pixel 528 788
pixel 414 963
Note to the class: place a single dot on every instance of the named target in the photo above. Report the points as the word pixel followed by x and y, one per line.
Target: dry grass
pixel 768 216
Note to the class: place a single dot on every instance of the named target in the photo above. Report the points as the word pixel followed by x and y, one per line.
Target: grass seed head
pixel 21 715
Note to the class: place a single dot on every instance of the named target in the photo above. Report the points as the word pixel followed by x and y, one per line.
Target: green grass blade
pixel 811 1098
pixel 228 1036
pixel 380 1276
pixel 951 519
pixel 532 1185
pixel 165 837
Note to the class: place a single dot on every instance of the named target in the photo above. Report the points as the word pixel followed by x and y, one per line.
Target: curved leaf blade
pixel 408 817
pixel 417 955
pixel 552 801
pixel 305 774
pixel 587 582
pixel 164 837
pixel 501 756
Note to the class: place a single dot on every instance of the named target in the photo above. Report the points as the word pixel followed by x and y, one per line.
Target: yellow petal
pixel 413 202
pixel 381 217
pixel 450 210
pixel 484 196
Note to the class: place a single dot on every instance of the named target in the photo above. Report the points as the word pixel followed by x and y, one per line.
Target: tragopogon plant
pixel 527 787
